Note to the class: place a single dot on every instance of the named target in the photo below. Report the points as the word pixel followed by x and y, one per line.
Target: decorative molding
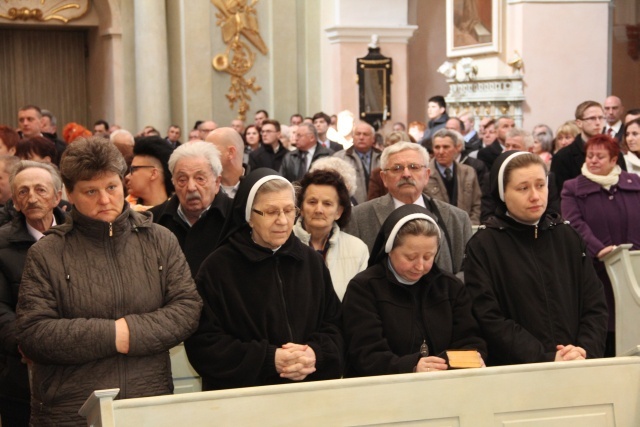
pixel 362 34
pixel 43 10
pixel 235 20
pixel 487 97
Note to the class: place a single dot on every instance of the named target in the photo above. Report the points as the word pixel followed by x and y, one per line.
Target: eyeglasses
pixel 593 119
pixel 132 168
pixel 413 168
pixel 274 214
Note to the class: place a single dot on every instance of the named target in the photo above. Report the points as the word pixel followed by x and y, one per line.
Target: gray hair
pixel 362 122
pixel 197 149
pixel 455 136
pixel 22 165
pixel 402 146
pixel 341 167
pixel 545 140
pixel 114 135
pixel 311 128
pixel 527 138
pixel 52 118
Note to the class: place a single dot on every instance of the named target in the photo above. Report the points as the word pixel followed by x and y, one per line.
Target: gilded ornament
pixel 237 18
pixel 42 11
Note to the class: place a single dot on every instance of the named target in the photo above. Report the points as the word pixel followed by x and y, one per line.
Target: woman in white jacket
pixel 325 207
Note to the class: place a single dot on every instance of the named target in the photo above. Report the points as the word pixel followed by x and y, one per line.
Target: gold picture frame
pixel 473 27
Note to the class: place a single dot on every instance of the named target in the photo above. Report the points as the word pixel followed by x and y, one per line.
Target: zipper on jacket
pixel 535 233
pixel 284 302
pixel 110 229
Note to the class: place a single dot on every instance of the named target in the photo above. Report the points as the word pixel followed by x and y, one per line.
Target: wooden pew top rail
pixel 603 392
pixel 623 268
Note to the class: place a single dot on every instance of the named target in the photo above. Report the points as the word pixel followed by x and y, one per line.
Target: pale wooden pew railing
pixel 603 392
pixel 185 378
pixel 623 267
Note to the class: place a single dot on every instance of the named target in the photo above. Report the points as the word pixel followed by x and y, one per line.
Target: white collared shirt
pixel 419 201
pixel 37 234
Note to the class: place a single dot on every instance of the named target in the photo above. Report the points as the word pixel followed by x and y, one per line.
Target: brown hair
pixel 88 158
pixel 580 109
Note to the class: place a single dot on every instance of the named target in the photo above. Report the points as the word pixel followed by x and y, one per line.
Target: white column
pixel 152 65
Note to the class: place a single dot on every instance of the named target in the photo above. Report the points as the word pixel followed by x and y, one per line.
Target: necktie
pixel 610 132
pixel 447 175
pixel 303 164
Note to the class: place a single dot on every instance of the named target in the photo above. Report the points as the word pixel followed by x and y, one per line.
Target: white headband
pixel 503 166
pixel 394 231
pixel 254 190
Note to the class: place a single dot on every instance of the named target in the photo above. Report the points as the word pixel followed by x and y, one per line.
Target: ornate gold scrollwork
pixel 39 10
pixel 236 18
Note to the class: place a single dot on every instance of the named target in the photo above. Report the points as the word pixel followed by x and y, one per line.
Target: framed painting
pixel 473 27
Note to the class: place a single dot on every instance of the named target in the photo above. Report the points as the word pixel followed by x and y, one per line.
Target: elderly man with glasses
pixel 405 173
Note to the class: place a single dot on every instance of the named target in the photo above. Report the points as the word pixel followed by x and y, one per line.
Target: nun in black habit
pixel 403 312
pixel 270 313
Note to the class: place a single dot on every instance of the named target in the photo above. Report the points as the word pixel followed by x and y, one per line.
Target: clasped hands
pixel 569 352
pixel 295 361
pixel 435 363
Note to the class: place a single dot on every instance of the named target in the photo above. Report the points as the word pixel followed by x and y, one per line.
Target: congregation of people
pixel 294 252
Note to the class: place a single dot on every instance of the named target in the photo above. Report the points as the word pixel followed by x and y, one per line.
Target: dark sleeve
pixel 559 168
pixel 217 355
pixel 554 194
pixel 508 342
pixel 487 204
pixel 465 329
pixel 592 333
pixel 376 187
pixel 327 342
pixel 253 165
pixel 43 335
pixel 369 352
pixel 7 317
pixel 161 329
pixel 572 212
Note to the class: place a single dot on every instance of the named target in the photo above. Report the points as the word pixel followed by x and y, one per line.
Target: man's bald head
pixel 229 142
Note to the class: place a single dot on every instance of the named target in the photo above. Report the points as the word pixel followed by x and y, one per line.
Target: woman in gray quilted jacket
pixel 103 296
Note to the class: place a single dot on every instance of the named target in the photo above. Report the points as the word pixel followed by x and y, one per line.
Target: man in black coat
pixel 198 209
pixel 271 152
pixel 36 192
pixel 567 163
pixel 489 154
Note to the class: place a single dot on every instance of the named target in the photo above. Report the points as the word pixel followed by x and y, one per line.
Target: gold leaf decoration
pixel 43 10
pixel 236 18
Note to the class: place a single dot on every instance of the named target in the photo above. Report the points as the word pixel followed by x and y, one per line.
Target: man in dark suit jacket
pixel 321 121
pixel 613 112
pixel 297 162
pixel 489 154
pixel 567 163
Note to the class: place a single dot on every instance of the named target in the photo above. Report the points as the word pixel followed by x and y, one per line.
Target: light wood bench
pixel 623 267
pixel 602 392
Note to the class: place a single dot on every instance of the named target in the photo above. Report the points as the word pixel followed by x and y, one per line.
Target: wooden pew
pixel 602 392
pixel 185 378
pixel 623 267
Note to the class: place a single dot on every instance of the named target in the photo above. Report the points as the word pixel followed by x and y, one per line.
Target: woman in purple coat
pixel 603 205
